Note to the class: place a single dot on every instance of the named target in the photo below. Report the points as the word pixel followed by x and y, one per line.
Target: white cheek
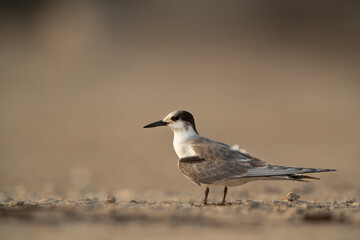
pixel 177 125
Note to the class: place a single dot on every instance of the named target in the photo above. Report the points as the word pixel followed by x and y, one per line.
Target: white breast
pixel 182 143
pixel 183 150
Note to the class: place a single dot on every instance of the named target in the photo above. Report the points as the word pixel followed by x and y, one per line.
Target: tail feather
pixel 273 170
pixel 301 178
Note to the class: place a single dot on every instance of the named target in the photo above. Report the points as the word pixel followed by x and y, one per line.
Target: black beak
pixel 156 124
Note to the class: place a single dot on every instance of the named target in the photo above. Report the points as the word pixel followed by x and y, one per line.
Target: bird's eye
pixel 175 118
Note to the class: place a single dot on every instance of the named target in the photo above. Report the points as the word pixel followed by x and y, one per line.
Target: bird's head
pixel 178 121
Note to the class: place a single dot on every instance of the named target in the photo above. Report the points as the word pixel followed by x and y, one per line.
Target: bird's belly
pixel 234 181
pixel 239 181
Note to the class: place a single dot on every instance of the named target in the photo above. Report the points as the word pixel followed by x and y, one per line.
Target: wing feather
pixel 217 161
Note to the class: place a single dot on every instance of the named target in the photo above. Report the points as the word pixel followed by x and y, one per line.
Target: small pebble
pixel 111 199
pixel 251 204
pixel 292 197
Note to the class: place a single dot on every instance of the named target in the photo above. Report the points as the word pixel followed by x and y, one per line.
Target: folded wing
pixel 216 161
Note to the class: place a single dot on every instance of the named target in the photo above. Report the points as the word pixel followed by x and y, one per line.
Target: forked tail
pixel 301 178
pixel 290 173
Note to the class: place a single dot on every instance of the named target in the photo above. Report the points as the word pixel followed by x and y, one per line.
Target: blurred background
pixel 79 80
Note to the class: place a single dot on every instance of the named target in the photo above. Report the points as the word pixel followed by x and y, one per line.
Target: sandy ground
pixel 109 217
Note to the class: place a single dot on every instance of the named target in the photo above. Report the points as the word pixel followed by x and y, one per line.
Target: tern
pixel 204 161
